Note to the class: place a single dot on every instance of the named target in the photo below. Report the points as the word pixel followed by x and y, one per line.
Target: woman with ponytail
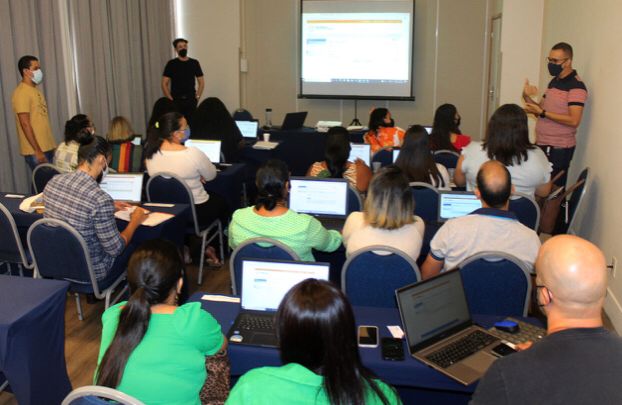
pixel 152 348
pixel 321 361
pixel 270 217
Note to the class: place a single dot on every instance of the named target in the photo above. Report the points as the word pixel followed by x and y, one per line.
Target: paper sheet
pixel 153 219
pixel 220 298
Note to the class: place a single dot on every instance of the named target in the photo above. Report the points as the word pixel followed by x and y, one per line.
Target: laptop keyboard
pixel 461 349
pixel 332 223
pixel 256 323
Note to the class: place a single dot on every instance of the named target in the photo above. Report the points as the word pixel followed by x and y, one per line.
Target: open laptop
pixel 325 199
pixel 264 284
pixel 293 120
pixel 123 186
pixel 439 329
pixel 360 151
pixel 208 146
pixel 248 130
pixel 452 204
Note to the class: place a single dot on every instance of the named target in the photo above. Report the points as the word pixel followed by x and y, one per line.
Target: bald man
pixel 578 362
pixel 490 228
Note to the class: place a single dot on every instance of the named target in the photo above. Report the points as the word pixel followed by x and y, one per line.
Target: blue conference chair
pixel 60 252
pixel 97 395
pixel 496 283
pixel 526 209
pixel 167 187
pixel 447 158
pixel 256 248
pixel 371 275
pixel 576 200
pixel 355 202
pixel 384 156
pixel 426 200
pixel 41 175
pixel 11 248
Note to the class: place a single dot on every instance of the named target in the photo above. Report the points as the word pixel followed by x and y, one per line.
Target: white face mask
pixel 37 76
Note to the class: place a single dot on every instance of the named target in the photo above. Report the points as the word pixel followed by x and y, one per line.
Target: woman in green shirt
pixel 152 348
pixel 317 341
pixel 270 217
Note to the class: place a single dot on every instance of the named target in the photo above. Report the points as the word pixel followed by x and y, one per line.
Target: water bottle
pixel 268 122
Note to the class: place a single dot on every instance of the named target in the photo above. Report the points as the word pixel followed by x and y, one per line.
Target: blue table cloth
pixel 228 184
pixel 32 339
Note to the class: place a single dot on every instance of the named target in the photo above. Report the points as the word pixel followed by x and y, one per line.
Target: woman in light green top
pixel 152 348
pixel 270 217
pixel 317 341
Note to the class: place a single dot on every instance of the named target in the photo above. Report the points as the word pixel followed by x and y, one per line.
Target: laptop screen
pixel 248 128
pixel 360 151
pixel 428 129
pixel 210 147
pixel 433 309
pixel 452 204
pixel 265 282
pixel 324 197
pixel 396 153
pixel 123 187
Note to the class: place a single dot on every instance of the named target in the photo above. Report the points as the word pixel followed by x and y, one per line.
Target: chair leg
pixel 79 306
pixel 222 250
pixel 4 385
pixel 21 270
pixel 202 260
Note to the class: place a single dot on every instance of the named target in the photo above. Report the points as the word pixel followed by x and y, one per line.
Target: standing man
pixel 180 73
pixel 559 111
pixel 36 142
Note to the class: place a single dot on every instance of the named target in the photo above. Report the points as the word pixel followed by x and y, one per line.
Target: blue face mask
pixel 186 135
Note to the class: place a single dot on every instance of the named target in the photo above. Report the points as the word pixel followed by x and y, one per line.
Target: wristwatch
pixel 543 113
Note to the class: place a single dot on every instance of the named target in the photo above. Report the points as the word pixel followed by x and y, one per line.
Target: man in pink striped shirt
pixel 559 111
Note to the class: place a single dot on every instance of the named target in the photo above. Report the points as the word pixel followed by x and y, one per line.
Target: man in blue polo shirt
pixel 491 228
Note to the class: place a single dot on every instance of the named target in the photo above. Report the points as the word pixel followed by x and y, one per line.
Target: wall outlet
pixel 614 265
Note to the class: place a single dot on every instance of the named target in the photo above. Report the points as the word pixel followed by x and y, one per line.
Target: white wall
pixel 594 31
pixel 213 31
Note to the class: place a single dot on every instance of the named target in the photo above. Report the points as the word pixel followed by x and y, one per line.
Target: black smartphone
pixel 368 336
pixel 392 349
pixel 503 350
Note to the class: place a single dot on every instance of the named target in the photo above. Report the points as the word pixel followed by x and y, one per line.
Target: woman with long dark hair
pixel 507 140
pixel 270 217
pixel 337 166
pixel 382 131
pixel 79 130
pixel 321 361
pixel 152 348
pixel 446 134
pixel 416 161
pixel 212 120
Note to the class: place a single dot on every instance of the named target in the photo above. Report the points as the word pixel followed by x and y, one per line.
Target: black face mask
pixel 555 69
pixel 183 52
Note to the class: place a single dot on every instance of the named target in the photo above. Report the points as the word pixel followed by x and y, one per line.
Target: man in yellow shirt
pixel 31 114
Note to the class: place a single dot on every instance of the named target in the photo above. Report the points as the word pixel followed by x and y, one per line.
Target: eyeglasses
pixel 557 61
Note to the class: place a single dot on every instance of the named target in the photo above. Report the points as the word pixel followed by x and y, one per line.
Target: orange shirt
pixel 384 137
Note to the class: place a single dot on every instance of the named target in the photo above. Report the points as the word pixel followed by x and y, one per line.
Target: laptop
pixel 293 120
pixel 360 151
pixel 428 129
pixel 325 199
pixel 439 329
pixel 210 147
pixel 264 284
pixel 396 153
pixel 248 130
pixel 452 204
pixel 126 187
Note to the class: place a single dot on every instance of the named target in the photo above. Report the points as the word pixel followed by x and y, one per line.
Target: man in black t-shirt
pixel 579 361
pixel 180 73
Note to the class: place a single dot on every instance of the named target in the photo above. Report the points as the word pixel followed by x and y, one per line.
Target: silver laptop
pixel 248 129
pixel 439 330
pixel 452 204
pixel 123 186
pixel 210 147
pixel 264 284
pixel 360 151
pixel 325 199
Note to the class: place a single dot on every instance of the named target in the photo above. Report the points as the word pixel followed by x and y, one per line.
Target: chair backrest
pixel 94 395
pixel 166 187
pixel 355 202
pixel 384 156
pixel 526 209
pixel 447 158
pixel 11 248
pixel 60 252
pixel 41 175
pixel 496 283
pixel 256 248
pixel 126 157
pixel 242 115
pixel 576 199
pixel 370 279
pixel 426 200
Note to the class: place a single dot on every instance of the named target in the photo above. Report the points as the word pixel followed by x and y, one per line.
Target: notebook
pixel 264 284
pixel 439 329
pixel 248 129
pixel 293 120
pixel 325 199
pixel 452 204
pixel 123 186
pixel 360 151
pixel 211 148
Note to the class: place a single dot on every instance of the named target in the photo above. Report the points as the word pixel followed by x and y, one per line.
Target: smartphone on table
pixel 367 336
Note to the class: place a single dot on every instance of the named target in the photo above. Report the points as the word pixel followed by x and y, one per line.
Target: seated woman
pixel 337 165
pixel 151 348
pixel 416 161
pixel 270 217
pixel 165 152
pixel 387 218
pixel 507 140
pixel 446 133
pixel 321 361
pixel 382 132
pixel 212 120
pixel 78 130
pixel 126 151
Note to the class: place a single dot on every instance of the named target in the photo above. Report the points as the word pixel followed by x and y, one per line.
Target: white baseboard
pixel 613 309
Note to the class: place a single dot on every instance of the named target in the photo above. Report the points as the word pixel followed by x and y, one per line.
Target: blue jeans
pixel 31 160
